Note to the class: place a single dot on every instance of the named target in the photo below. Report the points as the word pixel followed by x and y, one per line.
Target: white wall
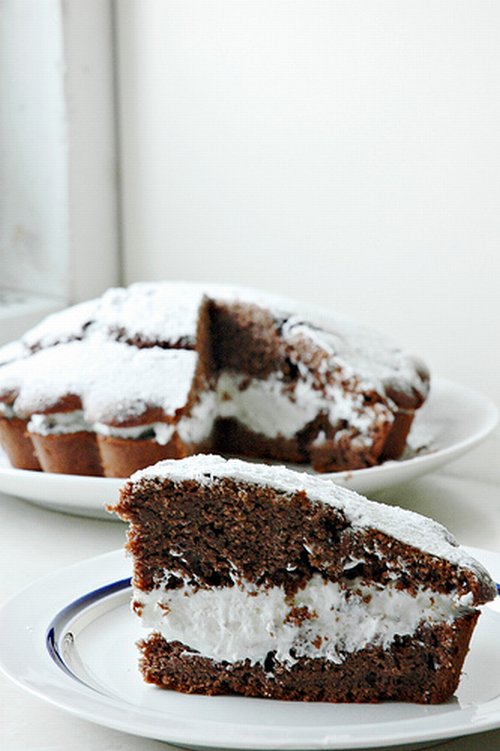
pixel 33 195
pixel 58 197
pixel 343 152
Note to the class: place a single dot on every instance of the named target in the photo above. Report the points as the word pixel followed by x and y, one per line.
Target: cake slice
pixel 262 581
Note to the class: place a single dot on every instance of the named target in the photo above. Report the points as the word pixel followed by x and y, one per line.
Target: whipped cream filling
pixel 197 426
pixel 59 423
pixel 191 429
pixel 270 407
pixel 6 410
pixel 160 432
pixel 263 406
pixel 322 620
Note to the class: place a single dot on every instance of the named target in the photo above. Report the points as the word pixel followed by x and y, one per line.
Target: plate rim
pixel 383 475
pixel 94 575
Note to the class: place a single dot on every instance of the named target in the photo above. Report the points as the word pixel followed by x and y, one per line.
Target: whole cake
pixel 262 581
pixel 164 370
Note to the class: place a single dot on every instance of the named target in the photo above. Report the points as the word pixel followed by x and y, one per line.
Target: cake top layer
pixel 365 354
pixel 406 526
pixel 114 381
pixel 153 312
pixel 167 313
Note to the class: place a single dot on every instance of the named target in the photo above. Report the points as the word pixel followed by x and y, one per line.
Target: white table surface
pixel 465 496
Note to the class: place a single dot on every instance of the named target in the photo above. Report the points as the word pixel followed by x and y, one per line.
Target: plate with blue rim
pixel 70 639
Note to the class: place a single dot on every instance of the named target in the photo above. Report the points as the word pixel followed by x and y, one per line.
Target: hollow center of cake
pixel 324 619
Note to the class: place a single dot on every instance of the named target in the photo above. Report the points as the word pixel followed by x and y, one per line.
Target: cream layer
pixel 270 407
pixel 322 620
pixel 59 423
pixel 7 411
pixel 191 429
pixel 266 406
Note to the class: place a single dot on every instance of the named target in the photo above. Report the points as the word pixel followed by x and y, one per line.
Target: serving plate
pixel 69 639
pixel 452 421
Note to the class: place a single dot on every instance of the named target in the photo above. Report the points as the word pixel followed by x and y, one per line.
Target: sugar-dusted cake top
pixel 10 352
pixel 115 382
pixel 63 326
pixel 158 312
pixel 409 527
pixel 364 353
pixel 353 360
pixel 152 312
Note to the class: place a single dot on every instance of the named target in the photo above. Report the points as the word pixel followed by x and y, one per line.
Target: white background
pixel 342 152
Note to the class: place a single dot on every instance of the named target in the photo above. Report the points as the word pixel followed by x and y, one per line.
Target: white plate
pixel 452 421
pixel 70 639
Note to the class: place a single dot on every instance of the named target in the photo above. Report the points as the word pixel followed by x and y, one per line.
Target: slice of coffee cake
pixel 262 581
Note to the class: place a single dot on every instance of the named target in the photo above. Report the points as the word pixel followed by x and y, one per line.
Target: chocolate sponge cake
pixel 165 370
pixel 261 581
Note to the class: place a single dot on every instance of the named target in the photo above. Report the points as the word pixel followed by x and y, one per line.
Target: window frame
pixel 62 247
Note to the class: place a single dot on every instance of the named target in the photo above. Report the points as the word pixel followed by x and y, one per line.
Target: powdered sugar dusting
pixel 168 312
pixel 10 352
pixel 153 312
pixel 110 378
pixel 407 526
pixel 363 354
pixel 63 326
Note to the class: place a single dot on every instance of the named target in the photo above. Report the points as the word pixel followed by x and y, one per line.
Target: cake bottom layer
pixel 17 444
pixel 332 455
pixel 423 668
pixel 120 457
pixel 395 442
pixel 70 453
